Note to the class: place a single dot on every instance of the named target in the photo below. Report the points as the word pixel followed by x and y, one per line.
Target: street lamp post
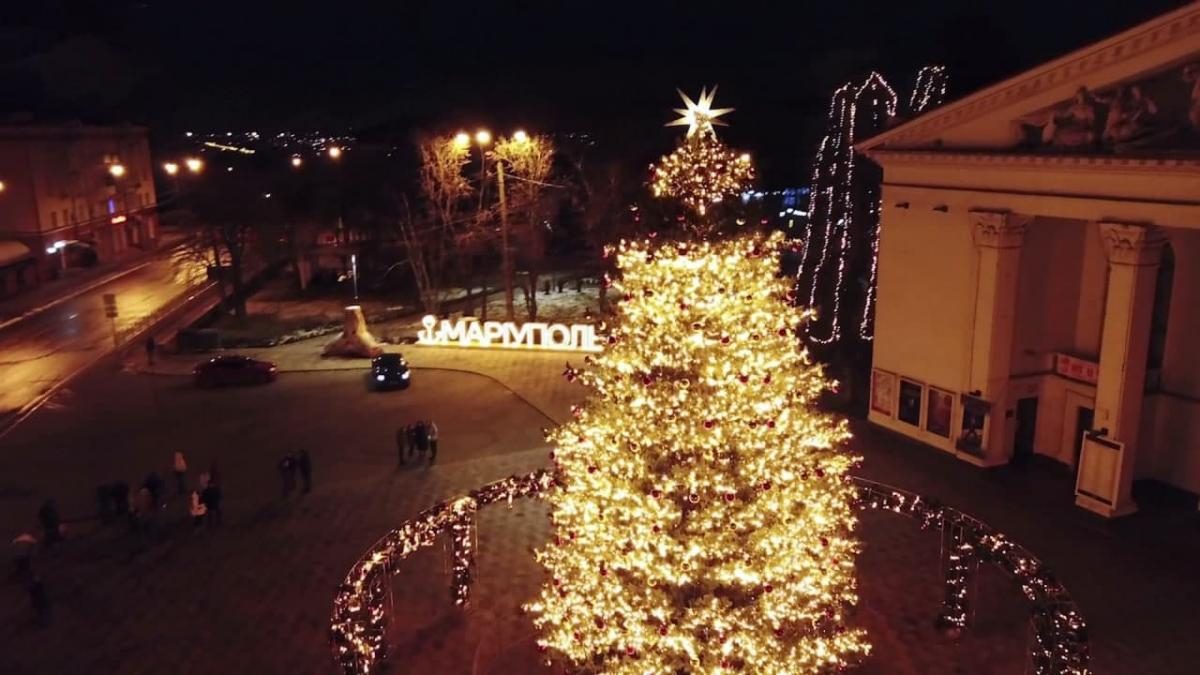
pixel 354 273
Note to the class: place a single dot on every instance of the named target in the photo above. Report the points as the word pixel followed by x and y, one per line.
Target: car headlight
pixel 379 378
pixel 404 375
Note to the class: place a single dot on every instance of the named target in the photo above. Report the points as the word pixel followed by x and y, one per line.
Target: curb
pixel 493 378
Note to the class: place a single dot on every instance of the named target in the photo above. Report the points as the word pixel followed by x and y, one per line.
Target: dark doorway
pixel 1026 426
pixel 1083 424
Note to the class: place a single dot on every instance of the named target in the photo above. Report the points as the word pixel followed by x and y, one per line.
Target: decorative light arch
pixel 1058 644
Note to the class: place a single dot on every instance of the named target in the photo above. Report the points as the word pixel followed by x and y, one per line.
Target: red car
pixel 232 369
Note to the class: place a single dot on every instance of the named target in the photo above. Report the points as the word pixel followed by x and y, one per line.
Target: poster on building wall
pixel 883 392
pixel 974 424
pixel 911 394
pixel 939 412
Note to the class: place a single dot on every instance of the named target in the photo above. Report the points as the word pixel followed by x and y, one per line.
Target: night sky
pixel 609 68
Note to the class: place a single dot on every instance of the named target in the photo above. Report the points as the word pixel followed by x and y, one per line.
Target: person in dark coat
pixel 154 483
pixel 422 438
pixel 51 522
pixel 211 498
pixel 304 464
pixel 413 447
pixel 431 432
pixel 120 497
pixel 401 444
pixel 39 600
pixel 287 475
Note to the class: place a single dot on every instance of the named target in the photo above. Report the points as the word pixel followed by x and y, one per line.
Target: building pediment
pixel 1137 92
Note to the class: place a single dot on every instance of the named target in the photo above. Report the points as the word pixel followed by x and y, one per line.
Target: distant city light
pixel 195 165
pixel 335 152
pixel 2 186
pixel 520 136
pixel 297 160
pixel 171 168
pixel 483 137
pixel 461 139
pixel 117 170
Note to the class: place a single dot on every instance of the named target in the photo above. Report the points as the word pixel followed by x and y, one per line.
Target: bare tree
pixel 429 236
pixel 525 162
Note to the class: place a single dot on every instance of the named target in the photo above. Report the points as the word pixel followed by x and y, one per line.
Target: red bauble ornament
pixel 824 541
pixel 744 378
pixel 783 332
pixel 552 455
pixel 662 630
pixel 768 588
pixel 766 486
pixel 656 493
pixel 771 424
pixel 630 651
pixel 599 622
pixel 820 473
pixel 708 424
pixel 591 469
pixel 724 339
pixel 657 529
pixel 729 497
pixel 767 379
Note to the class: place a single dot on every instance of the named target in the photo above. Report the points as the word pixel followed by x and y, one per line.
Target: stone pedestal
pixel 356 340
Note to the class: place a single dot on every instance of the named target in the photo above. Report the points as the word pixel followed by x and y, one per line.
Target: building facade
pixel 1039 267
pixel 73 195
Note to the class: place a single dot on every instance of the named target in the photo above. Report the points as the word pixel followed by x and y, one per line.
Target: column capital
pixel 1127 244
pixel 998 229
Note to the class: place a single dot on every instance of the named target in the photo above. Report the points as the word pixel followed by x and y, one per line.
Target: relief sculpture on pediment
pixel 1154 113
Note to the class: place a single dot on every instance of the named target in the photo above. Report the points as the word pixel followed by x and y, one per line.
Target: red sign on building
pixel 1075 368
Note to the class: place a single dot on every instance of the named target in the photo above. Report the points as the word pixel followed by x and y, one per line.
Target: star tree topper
pixel 699 115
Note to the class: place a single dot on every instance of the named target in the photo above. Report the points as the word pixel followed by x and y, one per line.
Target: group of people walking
pixel 289 466
pixel 417 439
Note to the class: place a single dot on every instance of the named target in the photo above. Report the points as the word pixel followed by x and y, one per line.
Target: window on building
pixel 1162 309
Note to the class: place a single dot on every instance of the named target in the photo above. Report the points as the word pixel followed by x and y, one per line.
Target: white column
pixel 998 239
pixel 1134 252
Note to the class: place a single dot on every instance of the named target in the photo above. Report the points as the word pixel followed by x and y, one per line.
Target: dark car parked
pixel 233 369
pixel 390 371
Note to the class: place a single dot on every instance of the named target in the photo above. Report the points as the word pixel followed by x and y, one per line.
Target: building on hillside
pixel 1039 267
pixel 73 195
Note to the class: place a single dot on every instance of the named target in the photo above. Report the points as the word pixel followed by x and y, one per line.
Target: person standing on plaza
pixel 39 600
pixel 413 444
pixel 432 433
pixel 304 464
pixel 180 469
pixel 210 497
pixel 197 510
pixel 51 523
pixel 422 438
pixel 401 444
pixel 287 475
pixel 154 483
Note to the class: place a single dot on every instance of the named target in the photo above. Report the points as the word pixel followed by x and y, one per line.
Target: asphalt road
pixel 37 352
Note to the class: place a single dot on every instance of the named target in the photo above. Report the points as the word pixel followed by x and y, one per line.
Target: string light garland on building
pixel 838 268
pixel 1058 642
pixel 702 171
pixel 703 520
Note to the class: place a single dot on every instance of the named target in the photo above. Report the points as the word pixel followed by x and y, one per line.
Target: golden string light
pixel 703 518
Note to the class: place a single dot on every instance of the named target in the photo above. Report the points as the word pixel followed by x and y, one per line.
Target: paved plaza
pixel 254 595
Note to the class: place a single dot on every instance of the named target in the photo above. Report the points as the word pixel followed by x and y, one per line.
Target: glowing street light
pixel 194 164
pixel 171 168
pixel 520 136
pixel 335 152
pixel 297 161
pixel 2 186
pixel 117 170
pixel 461 139
pixel 483 137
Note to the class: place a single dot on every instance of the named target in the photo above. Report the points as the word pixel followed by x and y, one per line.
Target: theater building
pixel 1039 268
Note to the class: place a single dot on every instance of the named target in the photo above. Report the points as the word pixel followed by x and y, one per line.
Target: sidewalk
pixel 78 281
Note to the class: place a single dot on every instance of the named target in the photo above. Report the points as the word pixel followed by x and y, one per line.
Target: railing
pixel 1059 644
pixel 129 332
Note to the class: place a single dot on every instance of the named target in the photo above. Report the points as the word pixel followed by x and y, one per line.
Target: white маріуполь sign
pixel 509 335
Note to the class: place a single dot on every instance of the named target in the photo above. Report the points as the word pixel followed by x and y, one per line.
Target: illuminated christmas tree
pixel 702 516
pixel 702 172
